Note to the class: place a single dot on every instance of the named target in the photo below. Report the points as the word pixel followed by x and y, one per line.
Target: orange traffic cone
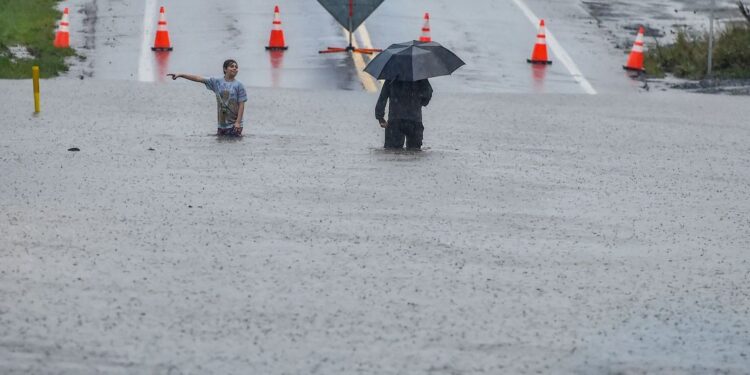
pixel 539 54
pixel 426 29
pixel 635 60
pixel 62 38
pixel 276 42
pixel 161 43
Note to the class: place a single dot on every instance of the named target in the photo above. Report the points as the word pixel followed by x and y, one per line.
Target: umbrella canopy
pixel 412 61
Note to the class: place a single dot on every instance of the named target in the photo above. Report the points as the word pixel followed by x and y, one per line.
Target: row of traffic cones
pixel 162 42
pixel 539 54
pixel 276 41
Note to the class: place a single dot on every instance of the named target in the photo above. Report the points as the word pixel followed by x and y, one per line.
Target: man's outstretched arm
pixel 189 77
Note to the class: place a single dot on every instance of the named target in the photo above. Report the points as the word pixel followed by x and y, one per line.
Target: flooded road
pixel 536 232
pixel 565 232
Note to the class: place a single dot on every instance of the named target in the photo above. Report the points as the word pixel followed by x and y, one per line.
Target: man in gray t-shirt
pixel 230 98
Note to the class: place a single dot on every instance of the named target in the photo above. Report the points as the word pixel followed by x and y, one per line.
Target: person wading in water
pixel 230 97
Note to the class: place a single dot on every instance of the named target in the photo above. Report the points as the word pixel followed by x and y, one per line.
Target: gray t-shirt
pixel 229 95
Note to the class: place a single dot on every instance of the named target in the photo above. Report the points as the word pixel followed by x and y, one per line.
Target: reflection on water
pixel 538 73
pixel 227 138
pixel 637 78
pixel 277 59
pixel 162 65
pixel 404 154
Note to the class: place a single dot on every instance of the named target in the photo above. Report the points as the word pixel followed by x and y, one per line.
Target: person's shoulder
pixel 239 86
pixel 240 89
pixel 210 82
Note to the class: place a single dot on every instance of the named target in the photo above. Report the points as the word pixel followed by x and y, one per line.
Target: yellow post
pixel 35 75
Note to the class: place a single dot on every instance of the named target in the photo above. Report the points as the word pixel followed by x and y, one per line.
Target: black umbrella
pixel 412 61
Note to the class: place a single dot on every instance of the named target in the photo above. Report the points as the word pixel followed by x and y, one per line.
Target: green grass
pixel 30 23
pixel 688 56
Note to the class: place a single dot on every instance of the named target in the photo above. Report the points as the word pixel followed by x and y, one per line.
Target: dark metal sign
pixel 350 13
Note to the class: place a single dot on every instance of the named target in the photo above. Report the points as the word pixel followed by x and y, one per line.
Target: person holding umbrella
pixel 404 112
pixel 405 67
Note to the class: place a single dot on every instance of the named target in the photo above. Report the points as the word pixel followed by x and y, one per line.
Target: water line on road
pixel 559 51
pixel 145 66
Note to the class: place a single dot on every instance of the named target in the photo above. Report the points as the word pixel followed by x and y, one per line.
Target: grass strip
pixel 30 24
pixel 687 57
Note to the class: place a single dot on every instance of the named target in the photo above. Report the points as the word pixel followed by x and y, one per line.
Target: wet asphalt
pixel 494 38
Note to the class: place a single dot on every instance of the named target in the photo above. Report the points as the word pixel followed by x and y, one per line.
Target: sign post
pixel 35 76
pixel 711 40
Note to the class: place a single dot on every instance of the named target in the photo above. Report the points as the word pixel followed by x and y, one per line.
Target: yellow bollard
pixel 35 75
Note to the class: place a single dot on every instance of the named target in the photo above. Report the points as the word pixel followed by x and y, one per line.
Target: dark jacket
pixel 407 100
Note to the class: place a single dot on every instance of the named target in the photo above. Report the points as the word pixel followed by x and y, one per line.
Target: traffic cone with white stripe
pixel 426 29
pixel 539 54
pixel 62 37
pixel 161 43
pixel 635 60
pixel 276 41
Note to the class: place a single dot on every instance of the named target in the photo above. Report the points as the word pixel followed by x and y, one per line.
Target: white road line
pixel 145 66
pixel 558 50
pixel 365 36
pixel 359 62
pixel 368 44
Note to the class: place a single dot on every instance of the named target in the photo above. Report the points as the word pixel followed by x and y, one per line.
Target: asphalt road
pixel 494 37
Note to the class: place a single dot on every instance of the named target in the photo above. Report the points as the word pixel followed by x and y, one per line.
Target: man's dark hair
pixel 227 63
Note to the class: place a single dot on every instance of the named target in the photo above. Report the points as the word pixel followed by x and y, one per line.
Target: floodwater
pixel 564 233
pixel 585 234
